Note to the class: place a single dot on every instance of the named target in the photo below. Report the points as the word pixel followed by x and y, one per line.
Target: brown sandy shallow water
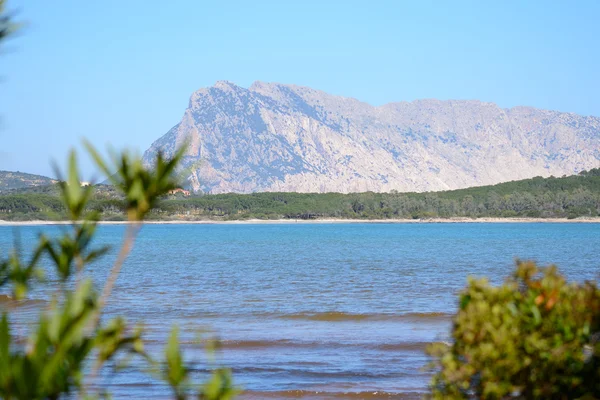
pixel 321 395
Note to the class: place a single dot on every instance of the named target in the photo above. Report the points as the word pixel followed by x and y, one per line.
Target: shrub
pixel 71 342
pixel 535 337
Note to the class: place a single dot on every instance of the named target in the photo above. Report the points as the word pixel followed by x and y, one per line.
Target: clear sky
pixel 121 72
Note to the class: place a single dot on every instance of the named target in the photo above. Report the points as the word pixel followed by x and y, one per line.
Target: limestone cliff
pixel 275 137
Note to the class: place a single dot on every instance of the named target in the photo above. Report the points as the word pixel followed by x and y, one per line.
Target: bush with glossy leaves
pixel 535 337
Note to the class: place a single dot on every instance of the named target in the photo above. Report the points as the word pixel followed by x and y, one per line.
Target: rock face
pixel 274 137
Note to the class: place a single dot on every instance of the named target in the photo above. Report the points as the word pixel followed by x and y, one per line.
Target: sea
pixel 314 311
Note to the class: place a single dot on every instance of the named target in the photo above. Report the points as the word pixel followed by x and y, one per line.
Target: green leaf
pixel 5 341
pixel 176 370
pixel 537 317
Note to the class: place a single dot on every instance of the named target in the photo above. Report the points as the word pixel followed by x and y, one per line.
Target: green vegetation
pixel 17 180
pixel 70 342
pixel 535 337
pixel 566 197
pixel 7 25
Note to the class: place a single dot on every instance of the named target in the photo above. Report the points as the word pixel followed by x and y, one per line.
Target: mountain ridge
pixel 276 137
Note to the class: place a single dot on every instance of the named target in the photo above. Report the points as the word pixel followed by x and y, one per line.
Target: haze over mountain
pixel 276 137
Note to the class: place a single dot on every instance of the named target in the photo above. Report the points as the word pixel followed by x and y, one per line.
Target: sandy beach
pixel 593 220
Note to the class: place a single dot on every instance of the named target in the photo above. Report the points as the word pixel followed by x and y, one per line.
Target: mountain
pixel 275 137
pixel 19 180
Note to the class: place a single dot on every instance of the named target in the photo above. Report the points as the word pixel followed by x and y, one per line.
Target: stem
pixel 130 235
pixel 78 261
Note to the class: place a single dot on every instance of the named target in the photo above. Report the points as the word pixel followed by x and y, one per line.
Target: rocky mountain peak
pixel 226 85
pixel 279 137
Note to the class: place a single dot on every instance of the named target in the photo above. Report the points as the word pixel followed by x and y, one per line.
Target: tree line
pixel 566 197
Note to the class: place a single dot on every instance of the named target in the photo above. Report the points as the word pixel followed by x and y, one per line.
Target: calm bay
pixel 310 310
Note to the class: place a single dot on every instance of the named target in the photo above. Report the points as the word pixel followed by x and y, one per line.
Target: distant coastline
pixel 570 199
pixel 592 220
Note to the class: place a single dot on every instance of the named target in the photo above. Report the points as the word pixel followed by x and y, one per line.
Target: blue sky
pixel 121 72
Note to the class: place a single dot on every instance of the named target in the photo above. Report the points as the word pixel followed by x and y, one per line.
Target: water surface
pixel 314 310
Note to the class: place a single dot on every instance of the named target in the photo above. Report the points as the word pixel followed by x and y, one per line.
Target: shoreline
pixel 592 220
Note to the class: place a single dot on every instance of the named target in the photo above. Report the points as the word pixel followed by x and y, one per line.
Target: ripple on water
pixel 311 311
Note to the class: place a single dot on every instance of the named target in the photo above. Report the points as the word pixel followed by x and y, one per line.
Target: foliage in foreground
pixel 70 342
pixel 7 26
pixel 535 337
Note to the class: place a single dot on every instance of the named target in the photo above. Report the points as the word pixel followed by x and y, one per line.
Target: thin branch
pixel 130 235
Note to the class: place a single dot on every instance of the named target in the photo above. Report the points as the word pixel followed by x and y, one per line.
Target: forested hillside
pixel 17 180
pixel 566 197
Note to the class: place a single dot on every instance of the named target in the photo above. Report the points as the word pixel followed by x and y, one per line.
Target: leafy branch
pixel 70 335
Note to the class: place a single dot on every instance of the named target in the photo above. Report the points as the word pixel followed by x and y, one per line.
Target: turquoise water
pixel 319 310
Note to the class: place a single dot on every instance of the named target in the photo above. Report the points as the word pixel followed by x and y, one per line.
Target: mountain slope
pixel 18 180
pixel 274 137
